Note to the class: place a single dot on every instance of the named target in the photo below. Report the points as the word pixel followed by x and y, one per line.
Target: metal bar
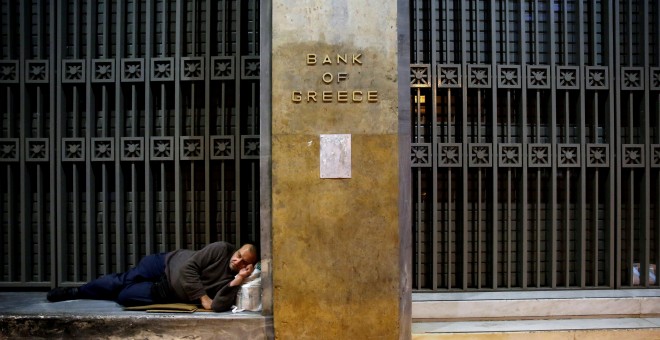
pixel 656 216
pixel 237 130
pixel 418 200
pixel 462 196
pixel 135 204
pixel 254 173
pixel 105 195
pixel 207 125
pixel 567 189
pixel 494 199
pixel 645 129
pixel 149 230
pixel 552 211
pixel 178 191
pixel 509 222
pixel 57 102
pixel 524 191
pixel 615 66
pixel 90 131
pixel 193 201
pixel 538 220
pixel 581 205
pixel 25 225
pixel 434 142
pixel 596 196
pixel 265 162
pixel 119 185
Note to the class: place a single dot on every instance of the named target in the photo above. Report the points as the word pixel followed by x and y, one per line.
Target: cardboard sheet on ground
pixel 168 308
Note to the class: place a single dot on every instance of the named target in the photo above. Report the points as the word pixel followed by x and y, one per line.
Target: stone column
pixel 335 171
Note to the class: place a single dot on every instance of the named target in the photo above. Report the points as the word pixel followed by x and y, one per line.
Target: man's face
pixel 241 258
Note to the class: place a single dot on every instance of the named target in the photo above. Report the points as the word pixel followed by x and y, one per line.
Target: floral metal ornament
pixel 538 76
pixel 508 76
pixel 73 149
pixel 250 146
pixel 73 71
pixel 632 78
pixel 568 77
pixel 479 76
pixel 9 150
pixel 222 68
pixel 596 78
pixel 8 71
pixel 632 155
pixel 509 155
pixel 132 148
pixel 103 70
pixel 36 150
pixel 480 155
pixel 161 148
pixel 598 155
pixel 250 67
pixel 162 69
pixel 449 76
pixel 655 78
pixel 420 75
pixel 36 71
pixel 539 155
pixel 132 69
pixel 568 155
pixel 103 149
pixel 192 68
pixel 655 155
pixel 222 147
pixel 450 155
pixel 191 148
pixel 420 155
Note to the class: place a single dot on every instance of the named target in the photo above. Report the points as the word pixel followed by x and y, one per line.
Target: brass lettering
pixel 327 77
pixel 372 96
pixel 326 60
pixel 341 76
pixel 311 59
pixel 356 59
pixel 341 58
pixel 342 96
pixel 296 96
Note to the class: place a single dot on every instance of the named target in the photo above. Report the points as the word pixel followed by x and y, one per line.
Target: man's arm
pixel 191 271
pixel 226 296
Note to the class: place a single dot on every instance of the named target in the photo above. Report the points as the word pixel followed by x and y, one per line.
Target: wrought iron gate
pixel 535 145
pixel 128 127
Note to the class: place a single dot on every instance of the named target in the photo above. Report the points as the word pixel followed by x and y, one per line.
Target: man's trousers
pixel 131 288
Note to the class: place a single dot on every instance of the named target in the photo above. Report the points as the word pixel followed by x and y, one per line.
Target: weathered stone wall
pixel 336 268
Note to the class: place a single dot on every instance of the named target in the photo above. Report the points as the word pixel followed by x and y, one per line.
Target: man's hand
pixel 206 301
pixel 246 271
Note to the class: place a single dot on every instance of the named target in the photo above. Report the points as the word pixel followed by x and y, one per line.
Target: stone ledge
pixel 29 315
pixel 620 328
pixel 132 328
pixel 535 305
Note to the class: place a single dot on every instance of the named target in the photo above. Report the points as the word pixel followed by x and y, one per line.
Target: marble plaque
pixel 335 156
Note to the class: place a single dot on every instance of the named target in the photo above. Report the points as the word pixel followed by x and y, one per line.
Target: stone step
pixel 596 329
pixel 30 315
pixel 535 305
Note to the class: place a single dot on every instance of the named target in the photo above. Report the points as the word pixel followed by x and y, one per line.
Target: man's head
pixel 244 256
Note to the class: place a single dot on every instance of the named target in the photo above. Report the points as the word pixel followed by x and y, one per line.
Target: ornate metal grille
pixel 535 146
pixel 127 128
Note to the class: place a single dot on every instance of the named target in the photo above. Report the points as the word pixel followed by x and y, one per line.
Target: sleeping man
pixel 210 277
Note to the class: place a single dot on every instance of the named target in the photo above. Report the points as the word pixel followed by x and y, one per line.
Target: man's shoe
pixel 62 294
